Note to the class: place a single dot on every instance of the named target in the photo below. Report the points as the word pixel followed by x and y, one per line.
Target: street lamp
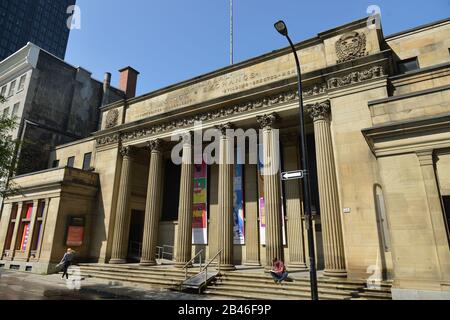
pixel 282 29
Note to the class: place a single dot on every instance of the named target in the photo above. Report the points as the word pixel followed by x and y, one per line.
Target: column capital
pixel 127 152
pixel 156 145
pixel 268 121
pixel 319 111
pixel 223 127
pixel 425 157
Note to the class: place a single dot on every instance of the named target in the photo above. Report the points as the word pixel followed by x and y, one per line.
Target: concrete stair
pixel 151 276
pixel 240 285
pixel 260 286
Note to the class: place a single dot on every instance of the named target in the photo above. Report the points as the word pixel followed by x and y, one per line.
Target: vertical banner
pixel 200 214
pixel 238 205
pixel 26 228
pixel 262 214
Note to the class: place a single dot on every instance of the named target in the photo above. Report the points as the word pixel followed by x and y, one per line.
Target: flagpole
pixel 231 34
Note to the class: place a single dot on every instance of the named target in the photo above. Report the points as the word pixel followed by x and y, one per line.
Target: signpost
pixel 293 175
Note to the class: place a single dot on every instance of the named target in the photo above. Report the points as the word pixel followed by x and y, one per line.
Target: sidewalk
pixel 26 286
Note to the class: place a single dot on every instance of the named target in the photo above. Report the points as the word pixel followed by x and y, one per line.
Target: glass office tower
pixel 42 22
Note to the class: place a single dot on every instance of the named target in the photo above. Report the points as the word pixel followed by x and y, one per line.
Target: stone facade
pixel 54 103
pixel 379 144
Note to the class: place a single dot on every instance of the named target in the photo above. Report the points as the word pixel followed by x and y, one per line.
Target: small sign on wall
pixel 75 236
pixel 347 210
pixel 75 232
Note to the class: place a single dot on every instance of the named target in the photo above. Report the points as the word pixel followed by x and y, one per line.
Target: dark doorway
pixel 171 195
pixel 136 235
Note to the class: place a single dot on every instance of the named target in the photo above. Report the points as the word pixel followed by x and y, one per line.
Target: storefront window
pixel 37 234
pixel 12 223
pixel 24 230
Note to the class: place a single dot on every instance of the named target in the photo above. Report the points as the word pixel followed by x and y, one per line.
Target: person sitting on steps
pixel 278 272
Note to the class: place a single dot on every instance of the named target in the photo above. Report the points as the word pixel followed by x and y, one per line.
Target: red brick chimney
pixel 128 81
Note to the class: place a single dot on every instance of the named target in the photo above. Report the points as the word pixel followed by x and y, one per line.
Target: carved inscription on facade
pixel 227 84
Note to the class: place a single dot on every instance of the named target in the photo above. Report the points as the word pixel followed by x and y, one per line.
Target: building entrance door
pixel 136 235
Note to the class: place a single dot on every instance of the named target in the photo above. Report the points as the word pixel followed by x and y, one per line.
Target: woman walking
pixel 66 261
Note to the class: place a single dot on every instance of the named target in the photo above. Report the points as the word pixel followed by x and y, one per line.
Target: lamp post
pixel 280 26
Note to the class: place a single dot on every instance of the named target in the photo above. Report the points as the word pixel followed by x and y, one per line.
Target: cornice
pixel 320 89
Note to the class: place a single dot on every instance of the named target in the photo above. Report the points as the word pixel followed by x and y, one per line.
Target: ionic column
pixel 328 192
pixel 436 214
pixel 12 249
pixel 294 204
pixel 153 203
pixel 272 196
pixel 226 220
pixel 251 216
pixel 122 223
pixel 185 207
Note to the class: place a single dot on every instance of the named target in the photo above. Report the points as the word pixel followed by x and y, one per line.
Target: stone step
pixel 305 279
pixel 299 285
pixel 134 275
pixel 166 283
pixel 239 284
pixel 294 288
pixel 258 295
pixel 290 285
pixel 283 290
pixel 385 287
pixel 155 272
pixel 295 282
pixel 134 267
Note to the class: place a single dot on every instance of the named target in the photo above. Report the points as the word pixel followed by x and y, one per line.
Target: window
pixel 12 223
pixel 6 112
pixel 55 164
pixel 22 82
pixel 12 87
pixel 3 91
pixel 24 232
pixel 408 65
pixel 37 233
pixel 87 161
pixel 71 162
pixel 15 110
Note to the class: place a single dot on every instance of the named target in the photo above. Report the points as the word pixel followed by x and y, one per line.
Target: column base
pixel 297 266
pixel 335 273
pixel 267 269
pixel 117 261
pixel 227 267
pixel 147 263
pixel 252 264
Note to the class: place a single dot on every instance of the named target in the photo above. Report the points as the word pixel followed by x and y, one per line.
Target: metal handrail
pixel 205 268
pixel 162 253
pixel 192 260
pixel 166 252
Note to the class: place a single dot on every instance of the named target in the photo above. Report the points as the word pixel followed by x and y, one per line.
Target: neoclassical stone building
pixel 378 131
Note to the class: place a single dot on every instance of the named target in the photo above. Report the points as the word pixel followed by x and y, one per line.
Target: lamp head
pixel 281 28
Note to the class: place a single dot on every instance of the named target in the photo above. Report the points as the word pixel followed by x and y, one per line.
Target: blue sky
pixel 173 40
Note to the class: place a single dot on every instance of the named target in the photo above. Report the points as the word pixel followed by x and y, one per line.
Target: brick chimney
pixel 128 81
